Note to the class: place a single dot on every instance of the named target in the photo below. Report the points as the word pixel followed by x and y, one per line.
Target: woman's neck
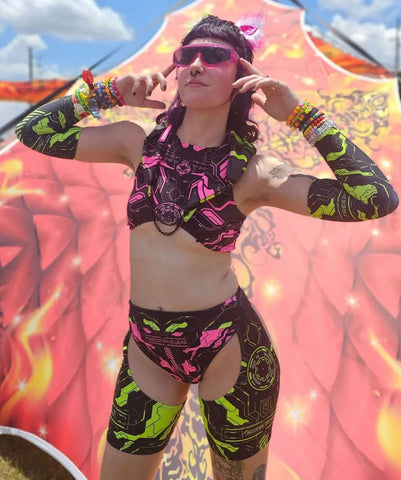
pixel 204 128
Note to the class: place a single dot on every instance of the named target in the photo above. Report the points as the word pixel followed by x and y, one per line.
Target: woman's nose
pixel 196 64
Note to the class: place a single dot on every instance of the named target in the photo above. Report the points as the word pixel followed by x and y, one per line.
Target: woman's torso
pixel 178 272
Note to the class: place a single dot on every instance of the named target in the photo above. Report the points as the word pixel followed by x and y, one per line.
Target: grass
pixel 20 460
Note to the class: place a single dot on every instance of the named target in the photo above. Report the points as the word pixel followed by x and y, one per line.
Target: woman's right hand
pixel 136 89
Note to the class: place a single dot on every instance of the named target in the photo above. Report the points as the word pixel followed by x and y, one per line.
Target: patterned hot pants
pixel 239 424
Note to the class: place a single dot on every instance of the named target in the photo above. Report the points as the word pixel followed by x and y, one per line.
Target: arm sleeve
pixel 361 191
pixel 50 129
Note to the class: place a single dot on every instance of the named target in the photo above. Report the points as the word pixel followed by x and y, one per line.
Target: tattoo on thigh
pixel 260 473
pixel 227 469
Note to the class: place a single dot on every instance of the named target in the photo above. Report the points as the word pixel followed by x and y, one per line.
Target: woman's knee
pixel 251 468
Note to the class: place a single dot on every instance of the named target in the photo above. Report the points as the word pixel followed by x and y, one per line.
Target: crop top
pixel 190 187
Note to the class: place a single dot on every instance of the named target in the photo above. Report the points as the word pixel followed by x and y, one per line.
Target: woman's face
pixel 202 86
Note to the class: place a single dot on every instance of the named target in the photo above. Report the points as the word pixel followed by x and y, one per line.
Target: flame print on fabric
pixel 189 186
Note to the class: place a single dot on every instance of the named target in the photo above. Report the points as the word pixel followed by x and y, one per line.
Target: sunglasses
pixel 211 54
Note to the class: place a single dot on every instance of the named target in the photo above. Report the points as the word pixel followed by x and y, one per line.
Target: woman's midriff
pixel 176 273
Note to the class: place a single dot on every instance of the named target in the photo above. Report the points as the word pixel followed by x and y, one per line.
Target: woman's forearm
pixel 51 130
pixel 361 191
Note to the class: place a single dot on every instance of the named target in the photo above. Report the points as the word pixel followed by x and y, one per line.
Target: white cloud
pixel 66 19
pixel 360 9
pixel 8 111
pixel 375 38
pixel 14 59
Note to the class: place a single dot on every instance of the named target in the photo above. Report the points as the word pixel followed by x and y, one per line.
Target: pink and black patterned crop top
pixel 190 187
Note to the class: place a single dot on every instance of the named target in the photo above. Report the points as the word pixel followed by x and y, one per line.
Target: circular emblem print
pixel 261 368
pixel 168 213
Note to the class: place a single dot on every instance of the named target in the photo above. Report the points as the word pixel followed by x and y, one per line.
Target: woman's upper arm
pixel 271 182
pixel 120 142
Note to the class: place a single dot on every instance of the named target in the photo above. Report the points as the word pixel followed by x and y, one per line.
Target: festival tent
pixel 329 292
pixel 35 90
pixel 32 91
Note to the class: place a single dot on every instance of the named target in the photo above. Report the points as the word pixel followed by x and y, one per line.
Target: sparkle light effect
pixel 111 365
pixel 313 394
pixel 352 301
pixel 296 413
pixel 273 289
pixel 77 261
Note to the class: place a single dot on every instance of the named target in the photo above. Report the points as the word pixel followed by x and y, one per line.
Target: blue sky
pixel 67 35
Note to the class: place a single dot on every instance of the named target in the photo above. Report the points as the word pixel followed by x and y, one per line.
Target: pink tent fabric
pixel 329 292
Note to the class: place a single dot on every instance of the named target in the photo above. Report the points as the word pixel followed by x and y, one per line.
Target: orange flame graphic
pixel 394 365
pixel 32 367
pixel 10 170
pixel 388 433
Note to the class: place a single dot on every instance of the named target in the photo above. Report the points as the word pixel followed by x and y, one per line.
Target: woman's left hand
pixel 278 100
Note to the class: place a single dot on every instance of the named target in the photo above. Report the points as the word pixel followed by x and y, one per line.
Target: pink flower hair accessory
pixel 251 27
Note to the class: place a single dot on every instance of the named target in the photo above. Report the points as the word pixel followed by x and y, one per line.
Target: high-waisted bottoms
pixel 238 424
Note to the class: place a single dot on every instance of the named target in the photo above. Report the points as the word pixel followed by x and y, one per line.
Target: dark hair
pixel 238 117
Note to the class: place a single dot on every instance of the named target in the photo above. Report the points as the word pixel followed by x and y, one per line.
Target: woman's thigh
pixel 239 392
pixel 146 407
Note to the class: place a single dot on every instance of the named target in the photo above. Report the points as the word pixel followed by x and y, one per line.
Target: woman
pixel 197 178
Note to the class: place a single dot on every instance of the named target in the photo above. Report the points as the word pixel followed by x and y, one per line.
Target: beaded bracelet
pixel 95 96
pixel 312 123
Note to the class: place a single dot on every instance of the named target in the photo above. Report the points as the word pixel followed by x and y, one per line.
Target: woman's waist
pixel 181 290
pixel 165 324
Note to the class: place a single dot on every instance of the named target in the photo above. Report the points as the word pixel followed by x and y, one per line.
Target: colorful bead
pixel 310 121
pixel 100 95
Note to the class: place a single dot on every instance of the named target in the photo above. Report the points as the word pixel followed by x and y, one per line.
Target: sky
pixel 68 35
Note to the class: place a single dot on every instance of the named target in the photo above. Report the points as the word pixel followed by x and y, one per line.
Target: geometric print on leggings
pixel 138 423
pixel 239 424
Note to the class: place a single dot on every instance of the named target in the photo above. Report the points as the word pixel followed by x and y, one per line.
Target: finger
pixel 249 67
pixel 161 80
pixel 149 85
pixel 241 81
pixel 166 72
pixel 137 83
pixel 153 104
pixel 259 100
pixel 250 84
